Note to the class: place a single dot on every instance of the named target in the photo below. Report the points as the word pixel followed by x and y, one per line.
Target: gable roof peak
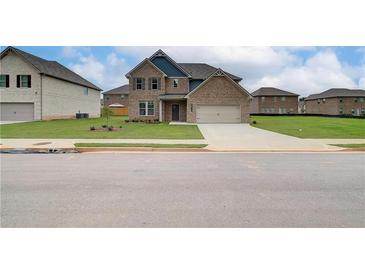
pixel 219 72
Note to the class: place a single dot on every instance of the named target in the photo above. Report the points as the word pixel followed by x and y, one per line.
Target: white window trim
pixel 146 108
pixel 21 81
pixel 4 81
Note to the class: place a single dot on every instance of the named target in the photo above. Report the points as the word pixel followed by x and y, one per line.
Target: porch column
pixel 160 111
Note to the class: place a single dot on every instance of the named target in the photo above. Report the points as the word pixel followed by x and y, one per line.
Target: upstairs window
pixel 275 98
pixel 4 80
pixel 283 98
pixel 139 83
pixel 23 81
pixel 176 83
pixel 263 99
pixel 154 83
pixel 362 99
pixel 86 91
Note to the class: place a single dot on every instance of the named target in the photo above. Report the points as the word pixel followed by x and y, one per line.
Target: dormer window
pixel 176 83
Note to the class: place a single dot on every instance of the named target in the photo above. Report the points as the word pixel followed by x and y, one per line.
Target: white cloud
pixel 107 75
pixel 282 67
pixel 70 52
pixel 318 73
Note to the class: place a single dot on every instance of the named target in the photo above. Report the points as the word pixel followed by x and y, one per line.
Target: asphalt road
pixel 183 190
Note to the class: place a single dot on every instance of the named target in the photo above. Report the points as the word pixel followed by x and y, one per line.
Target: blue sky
pixel 304 70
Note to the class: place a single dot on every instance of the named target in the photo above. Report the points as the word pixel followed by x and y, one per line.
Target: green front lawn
pixel 312 127
pixel 80 129
pixel 140 145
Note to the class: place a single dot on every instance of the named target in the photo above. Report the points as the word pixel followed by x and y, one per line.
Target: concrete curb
pixel 137 149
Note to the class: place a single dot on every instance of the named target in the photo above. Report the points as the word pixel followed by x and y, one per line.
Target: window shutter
pixel 143 84
pixel 159 83
pixel 149 83
pixel 7 81
pixel 18 81
pixel 134 83
pixel 29 81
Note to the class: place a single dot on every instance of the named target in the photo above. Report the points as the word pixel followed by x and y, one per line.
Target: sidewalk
pixel 69 143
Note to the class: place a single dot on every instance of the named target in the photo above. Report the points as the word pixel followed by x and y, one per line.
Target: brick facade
pixel 336 106
pixel 145 71
pixel 218 90
pixel 274 104
pixel 116 99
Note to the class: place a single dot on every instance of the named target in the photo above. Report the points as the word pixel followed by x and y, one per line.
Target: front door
pixel 175 112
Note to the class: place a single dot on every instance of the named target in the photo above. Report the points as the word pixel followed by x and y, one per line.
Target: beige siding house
pixel 32 88
pixel 161 89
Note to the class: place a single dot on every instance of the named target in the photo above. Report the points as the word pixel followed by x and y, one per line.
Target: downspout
pixel 41 96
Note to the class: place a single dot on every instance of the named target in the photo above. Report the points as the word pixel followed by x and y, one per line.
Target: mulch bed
pixel 107 129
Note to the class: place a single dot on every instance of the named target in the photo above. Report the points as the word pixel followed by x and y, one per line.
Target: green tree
pixel 106 112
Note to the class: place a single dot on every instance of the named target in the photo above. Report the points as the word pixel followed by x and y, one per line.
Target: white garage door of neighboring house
pixel 17 111
pixel 218 114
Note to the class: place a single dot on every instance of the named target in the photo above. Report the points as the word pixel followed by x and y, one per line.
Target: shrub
pixel 126 121
pixel 104 126
pixel 120 127
pixel 92 128
pixel 110 128
pixel 254 122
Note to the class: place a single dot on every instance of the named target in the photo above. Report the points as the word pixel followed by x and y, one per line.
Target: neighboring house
pixel 337 101
pixel 117 95
pixel 273 100
pixel 32 88
pixel 161 89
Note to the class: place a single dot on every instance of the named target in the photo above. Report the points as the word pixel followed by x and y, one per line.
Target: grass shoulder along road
pixel 80 129
pixel 312 126
pixel 79 145
pixel 350 145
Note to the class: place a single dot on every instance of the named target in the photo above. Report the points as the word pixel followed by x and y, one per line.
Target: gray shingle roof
pixel 52 68
pixel 270 91
pixel 119 90
pixel 337 92
pixel 172 96
pixel 203 71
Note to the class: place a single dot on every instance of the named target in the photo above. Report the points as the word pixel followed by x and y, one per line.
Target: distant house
pixel 119 95
pixel 273 100
pixel 32 88
pixel 337 101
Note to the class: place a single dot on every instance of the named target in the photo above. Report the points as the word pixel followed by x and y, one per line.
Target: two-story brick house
pixel 337 101
pixel 161 89
pixel 274 101
pixel 119 95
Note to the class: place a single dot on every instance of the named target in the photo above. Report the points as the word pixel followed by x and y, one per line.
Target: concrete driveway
pixel 246 137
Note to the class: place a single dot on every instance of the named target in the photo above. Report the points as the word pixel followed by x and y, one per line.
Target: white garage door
pixel 17 111
pixel 218 114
